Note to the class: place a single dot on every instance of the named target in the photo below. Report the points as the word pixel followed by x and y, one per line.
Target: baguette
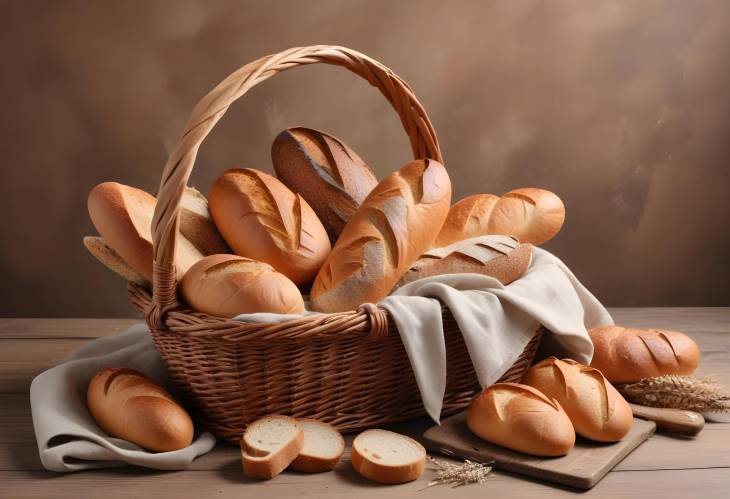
pixel 627 355
pixel 521 418
pixel 329 175
pixel 595 408
pixel 532 215
pixel 260 218
pixel 396 223
pixel 501 257
pixel 123 217
pixel 228 285
pixel 111 259
pixel 269 445
pixel 323 447
pixel 197 225
pixel 128 405
pixel 387 457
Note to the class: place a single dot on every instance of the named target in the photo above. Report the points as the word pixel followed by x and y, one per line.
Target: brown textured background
pixel 620 107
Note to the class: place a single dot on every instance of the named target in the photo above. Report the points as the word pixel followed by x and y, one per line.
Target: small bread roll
pixel 260 218
pixel 593 405
pixel 229 285
pixel 626 355
pixel 522 418
pixel 128 405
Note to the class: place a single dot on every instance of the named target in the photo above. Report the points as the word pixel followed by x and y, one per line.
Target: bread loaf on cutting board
pixel 521 418
pixel 532 215
pixel 395 224
pixel 260 218
pixel 626 355
pixel 501 257
pixel 329 175
pixel 228 285
pixel 123 217
pixel 128 405
pixel 595 408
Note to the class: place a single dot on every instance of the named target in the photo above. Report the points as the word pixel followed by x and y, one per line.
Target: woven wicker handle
pixel 212 108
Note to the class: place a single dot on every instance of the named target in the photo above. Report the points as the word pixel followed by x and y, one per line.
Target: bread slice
pixel 269 445
pixel 323 447
pixel 111 259
pixel 387 457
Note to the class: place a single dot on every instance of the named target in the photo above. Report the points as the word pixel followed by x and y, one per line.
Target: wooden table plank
pixel 62 328
pixel 23 360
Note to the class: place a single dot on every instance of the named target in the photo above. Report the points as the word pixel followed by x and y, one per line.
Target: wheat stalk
pixel 459 474
pixel 678 392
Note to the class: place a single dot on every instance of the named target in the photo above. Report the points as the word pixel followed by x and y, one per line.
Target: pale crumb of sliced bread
pixel 111 259
pixel 269 445
pixel 387 457
pixel 323 447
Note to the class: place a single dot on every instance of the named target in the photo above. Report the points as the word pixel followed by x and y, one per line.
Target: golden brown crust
pixel 260 218
pixel 111 259
pixel 626 355
pixel 397 222
pixel 595 408
pixel 197 225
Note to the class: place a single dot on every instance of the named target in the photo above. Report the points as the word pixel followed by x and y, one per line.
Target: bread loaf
pixel 123 217
pixel 532 215
pixel 329 175
pixel 395 224
pixel 197 225
pixel 322 449
pixel 626 355
pixel 593 405
pixel 111 259
pixel 260 218
pixel 522 418
pixel 501 257
pixel 269 445
pixel 387 457
pixel 128 405
pixel 228 285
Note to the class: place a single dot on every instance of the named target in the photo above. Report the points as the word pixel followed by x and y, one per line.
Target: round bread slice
pixel 387 457
pixel 269 445
pixel 323 447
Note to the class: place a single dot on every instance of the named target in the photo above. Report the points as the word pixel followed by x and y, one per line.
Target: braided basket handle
pixel 213 106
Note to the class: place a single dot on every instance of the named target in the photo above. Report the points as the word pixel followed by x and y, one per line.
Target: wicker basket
pixel 349 369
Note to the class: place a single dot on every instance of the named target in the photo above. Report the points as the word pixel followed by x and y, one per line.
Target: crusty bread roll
pixel 323 447
pixel 269 445
pixel 197 225
pixel 387 457
pixel 395 224
pixel 128 405
pixel 228 285
pixel 123 217
pixel 532 215
pixel 625 355
pixel 522 418
pixel 260 218
pixel 593 405
pixel 111 259
pixel 329 175
pixel 501 257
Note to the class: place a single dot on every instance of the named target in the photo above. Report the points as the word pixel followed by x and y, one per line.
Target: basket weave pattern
pixel 349 369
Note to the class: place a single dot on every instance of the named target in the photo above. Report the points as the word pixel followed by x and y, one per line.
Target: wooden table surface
pixel 666 466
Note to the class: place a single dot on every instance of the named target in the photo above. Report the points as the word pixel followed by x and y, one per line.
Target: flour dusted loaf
pixel 325 171
pixel 522 418
pixel 626 355
pixel 261 219
pixel 593 405
pixel 123 217
pixel 396 223
pixel 269 445
pixel 322 449
pixel 387 457
pixel 532 215
pixel 501 257
pixel 128 405
pixel 228 285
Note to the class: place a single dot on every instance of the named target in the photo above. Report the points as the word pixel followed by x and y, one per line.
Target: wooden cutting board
pixel 582 468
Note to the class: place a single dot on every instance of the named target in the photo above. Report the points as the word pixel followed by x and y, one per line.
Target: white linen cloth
pixel 497 322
